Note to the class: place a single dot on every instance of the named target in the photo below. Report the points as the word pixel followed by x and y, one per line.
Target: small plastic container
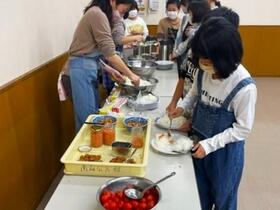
pixel 96 136
pixel 137 137
pixel 121 148
pixel 109 134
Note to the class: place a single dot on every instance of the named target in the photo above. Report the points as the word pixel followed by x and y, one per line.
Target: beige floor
pixel 260 186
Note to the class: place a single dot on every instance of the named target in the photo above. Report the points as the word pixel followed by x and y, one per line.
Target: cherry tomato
pixel 120 194
pixel 151 204
pixel 150 198
pixel 135 204
pixel 143 205
pixel 113 205
pixel 106 205
pixel 105 198
pixel 127 206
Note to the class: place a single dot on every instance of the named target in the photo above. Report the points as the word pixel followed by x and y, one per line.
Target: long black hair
pixel 218 40
pixel 199 9
pixel 104 5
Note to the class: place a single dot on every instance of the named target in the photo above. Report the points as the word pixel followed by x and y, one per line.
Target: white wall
pixel 33 32
pixel 251 12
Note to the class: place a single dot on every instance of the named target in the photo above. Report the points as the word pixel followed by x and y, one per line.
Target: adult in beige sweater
pixel 93 39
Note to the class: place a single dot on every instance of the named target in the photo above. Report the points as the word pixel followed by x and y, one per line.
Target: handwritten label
pixel 101 169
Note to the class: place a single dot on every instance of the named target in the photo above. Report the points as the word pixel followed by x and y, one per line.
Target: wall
pixel 35 130
pixel 261 48
pixel 251 12
pixel 33 32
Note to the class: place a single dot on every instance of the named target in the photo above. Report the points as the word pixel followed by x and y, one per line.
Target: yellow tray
pixel 72 165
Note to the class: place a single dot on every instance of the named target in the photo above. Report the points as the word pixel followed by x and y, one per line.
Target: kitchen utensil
pixel 133 152
pixel 137 194
pixel 169 129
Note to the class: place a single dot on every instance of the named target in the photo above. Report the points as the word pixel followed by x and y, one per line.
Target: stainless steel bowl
pixel 133 91
pixel 144 68
pixel 164 65
pixel 121 183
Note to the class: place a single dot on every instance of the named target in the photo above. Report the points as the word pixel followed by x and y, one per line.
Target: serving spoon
pixel 138 194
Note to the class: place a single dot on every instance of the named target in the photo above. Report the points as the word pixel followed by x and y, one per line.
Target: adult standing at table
pixel 92 39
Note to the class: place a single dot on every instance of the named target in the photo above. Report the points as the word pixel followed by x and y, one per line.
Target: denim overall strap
pixel 199 83
pixel 238 87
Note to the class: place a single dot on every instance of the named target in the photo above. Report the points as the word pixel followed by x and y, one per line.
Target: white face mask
pixel 133 13
pixel 208 69
pixel 172 14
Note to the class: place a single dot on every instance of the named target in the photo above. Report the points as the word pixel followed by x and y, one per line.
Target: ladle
pixel 138 194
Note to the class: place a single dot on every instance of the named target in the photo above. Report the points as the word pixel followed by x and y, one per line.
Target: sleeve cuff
pixel 206 146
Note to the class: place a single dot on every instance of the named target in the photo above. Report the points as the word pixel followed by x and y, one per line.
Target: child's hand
pixel 199 152
pixel 171 107
pixel 176 113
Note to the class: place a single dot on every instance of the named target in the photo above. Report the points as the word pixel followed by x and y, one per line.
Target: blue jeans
pixel 219 173
pixel 84 83
pixel 218 176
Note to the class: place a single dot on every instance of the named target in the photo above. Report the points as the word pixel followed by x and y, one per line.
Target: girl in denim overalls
pixel 224 97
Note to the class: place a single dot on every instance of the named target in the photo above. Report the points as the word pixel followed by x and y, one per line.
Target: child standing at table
pixel 224 97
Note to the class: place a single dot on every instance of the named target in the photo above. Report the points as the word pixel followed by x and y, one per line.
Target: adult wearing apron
pixel 92 39
pixel 224 96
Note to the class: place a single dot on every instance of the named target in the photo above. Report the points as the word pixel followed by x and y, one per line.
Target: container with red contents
pixel 96 136
pixel 109 134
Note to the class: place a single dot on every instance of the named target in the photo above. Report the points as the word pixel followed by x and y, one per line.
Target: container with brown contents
pixel 96 136
pixel 88 157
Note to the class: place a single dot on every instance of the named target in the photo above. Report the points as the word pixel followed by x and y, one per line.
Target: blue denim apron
pixel 218 174
pixel 84 82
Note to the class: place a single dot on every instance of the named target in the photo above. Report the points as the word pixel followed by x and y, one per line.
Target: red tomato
pixel 135 204
pixel 120 194
pixel 106 205
pixel 127 206
pixel 105 198
pixel 112 205
pixel 143 205
pixel 143 200
pixel 151 204
pixel 150 198
pixel 121 203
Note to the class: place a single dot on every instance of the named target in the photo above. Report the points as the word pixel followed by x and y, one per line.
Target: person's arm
pixel 118 32
pixel 182 47
pixel 188 102
pixel 160 29
pixel 130 39
pixel 146 30
pixel 118 64
pixel 244 111
pixel 176 96
pixel 102 35
pixel 178 39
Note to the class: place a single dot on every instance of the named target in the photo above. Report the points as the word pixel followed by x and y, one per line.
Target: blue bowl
pixel 106 119
pixel 132 122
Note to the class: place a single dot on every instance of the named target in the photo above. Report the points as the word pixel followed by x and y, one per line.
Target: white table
pixel 179 192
